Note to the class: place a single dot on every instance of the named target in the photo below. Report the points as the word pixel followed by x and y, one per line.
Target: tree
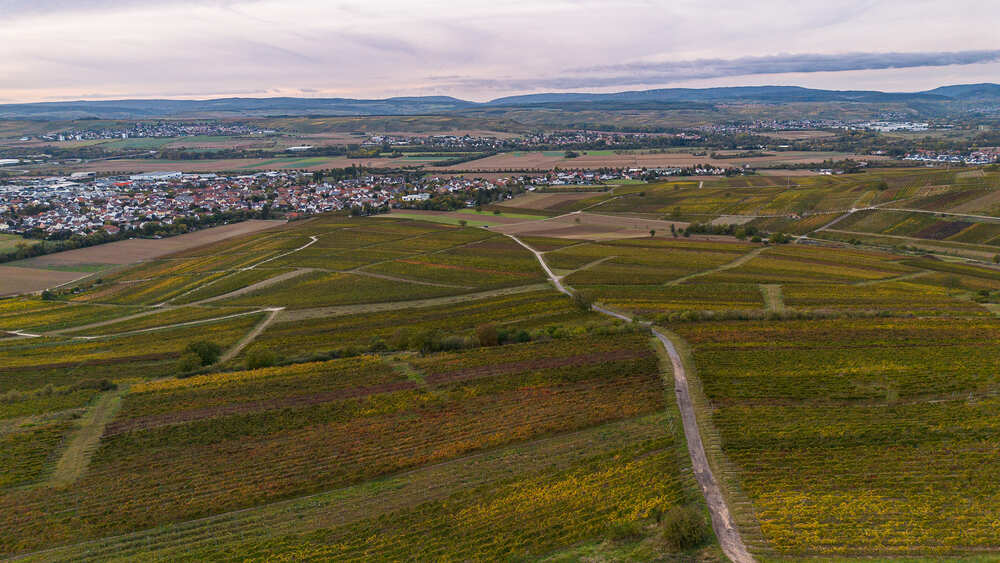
pixel 582 302
pixel 208 352
pixel 996 258
pixel 487 334
pixel 188 361
pixel 463 222
pixel 683 528
pixel 652 233
pixel 673 230
pixel 259 357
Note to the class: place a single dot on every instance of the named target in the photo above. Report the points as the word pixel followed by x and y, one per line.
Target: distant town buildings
pixel 83 204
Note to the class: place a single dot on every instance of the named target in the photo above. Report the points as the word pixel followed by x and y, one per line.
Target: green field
pixel 9 243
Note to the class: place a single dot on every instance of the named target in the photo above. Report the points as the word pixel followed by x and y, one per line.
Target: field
pixel 11 242
pixel 386 407
pixel 884 422
pixel 542 201
pixel 590 226
pixel 42 272
pixel 15 279
pixel 252 164
pixel 135 250
pixel 637 159
pixel 402 387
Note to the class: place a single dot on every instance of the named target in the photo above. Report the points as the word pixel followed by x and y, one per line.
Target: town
pixel 60 206
pixel 158 129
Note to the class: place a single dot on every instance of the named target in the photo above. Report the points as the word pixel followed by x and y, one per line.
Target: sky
pixel 479 50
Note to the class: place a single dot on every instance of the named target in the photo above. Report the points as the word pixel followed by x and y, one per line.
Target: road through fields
pixel 722 520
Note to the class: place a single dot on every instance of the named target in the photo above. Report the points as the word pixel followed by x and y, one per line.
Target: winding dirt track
pixel 722 520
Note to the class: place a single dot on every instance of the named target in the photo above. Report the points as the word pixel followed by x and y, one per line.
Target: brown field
pixel 545 201
pixel 590 226
pixel 136 250
pixel 541 161
pixel 15 279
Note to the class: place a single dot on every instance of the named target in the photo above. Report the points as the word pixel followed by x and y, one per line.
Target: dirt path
pixel 988 218
pixel 722 520
pixel 600 203
pixel 83 444
pixel 556 280
pixel 587 266
pixel 728 266
pixel 174 325
pixel 251 336
pixel 406 280
pixel 324 312
pixel 311 242
pixel 773 300
pixel 254 287
pixel 929 242
pixel 903 277
pixel 834 222
pixel 110 321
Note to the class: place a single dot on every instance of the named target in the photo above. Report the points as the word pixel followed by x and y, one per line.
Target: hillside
pixel 390 388
pixel 939 100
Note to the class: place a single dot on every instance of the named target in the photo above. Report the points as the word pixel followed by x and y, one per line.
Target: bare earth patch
pixel 545 201
pixel 135 250
pixel 15 279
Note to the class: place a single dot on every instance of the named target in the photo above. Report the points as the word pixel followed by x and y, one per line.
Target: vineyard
pixel 394 352
pixel 348 388
pixel 885 423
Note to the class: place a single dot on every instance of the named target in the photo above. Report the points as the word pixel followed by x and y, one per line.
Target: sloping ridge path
pixel 722 520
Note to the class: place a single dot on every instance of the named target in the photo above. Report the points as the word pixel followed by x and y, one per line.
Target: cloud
pixel 665 72
pixel 14 8
pixel 783 63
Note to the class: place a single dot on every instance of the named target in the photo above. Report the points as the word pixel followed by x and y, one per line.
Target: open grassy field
pixel 11 242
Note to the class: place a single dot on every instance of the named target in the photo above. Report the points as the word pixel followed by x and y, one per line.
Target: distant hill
pixel 125 109
pixel 766 94
pixel 969 92
pixel 664 98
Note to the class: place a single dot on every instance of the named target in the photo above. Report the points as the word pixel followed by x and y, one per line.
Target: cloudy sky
pixel 482 49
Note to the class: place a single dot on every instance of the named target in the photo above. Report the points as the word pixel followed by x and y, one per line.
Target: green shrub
pixel 208 352
pixel 261 358
pixel 683 528
pixel 189 361
pixel 487 335
pixel 582 301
